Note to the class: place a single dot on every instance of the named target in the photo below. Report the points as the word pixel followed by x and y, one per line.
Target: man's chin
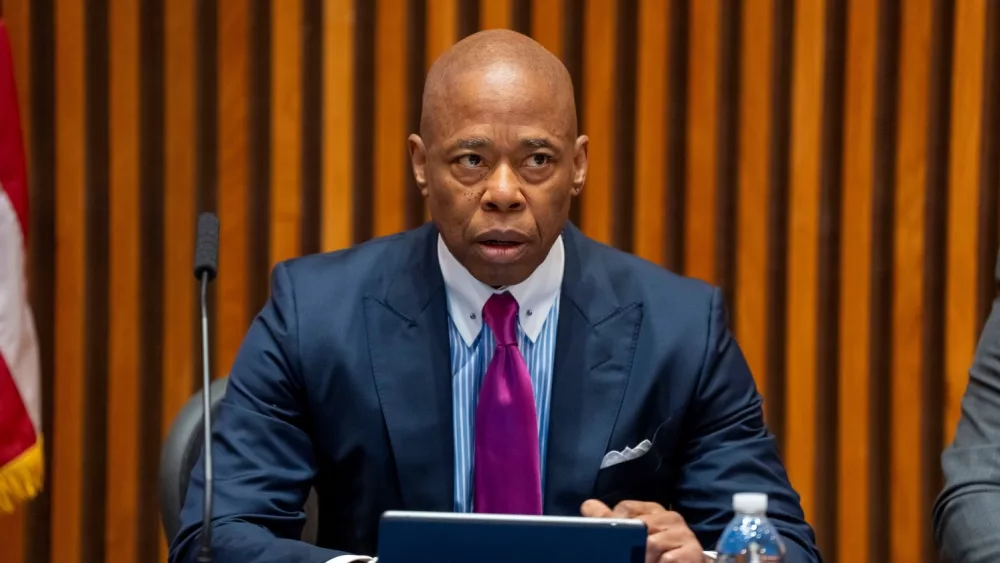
pixel 501 275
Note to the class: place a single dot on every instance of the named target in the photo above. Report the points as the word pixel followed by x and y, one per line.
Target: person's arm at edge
pixel 263 455
pixel 966 514
pixel 725 436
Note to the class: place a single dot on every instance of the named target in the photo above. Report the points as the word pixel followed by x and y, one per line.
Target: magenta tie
pixel 507 471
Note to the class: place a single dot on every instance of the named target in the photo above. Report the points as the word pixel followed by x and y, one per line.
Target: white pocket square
pixel 628 454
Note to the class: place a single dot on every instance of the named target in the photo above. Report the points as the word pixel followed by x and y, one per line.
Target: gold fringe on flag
pixel 21 478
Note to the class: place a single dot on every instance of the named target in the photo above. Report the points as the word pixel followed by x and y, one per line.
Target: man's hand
pixel 670 540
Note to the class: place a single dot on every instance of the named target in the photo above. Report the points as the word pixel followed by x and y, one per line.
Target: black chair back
pixel 180 452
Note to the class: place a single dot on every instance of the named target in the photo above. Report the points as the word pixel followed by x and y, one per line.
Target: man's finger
pixel 670 542
pixel 662 521
pixel 634 508
pixel 686 554
pixel 595 509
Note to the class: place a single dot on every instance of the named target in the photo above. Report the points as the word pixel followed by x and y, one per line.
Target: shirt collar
pixel 467 295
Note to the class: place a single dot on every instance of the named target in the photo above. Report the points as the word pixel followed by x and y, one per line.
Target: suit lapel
pixel 595 344
pixel 406 317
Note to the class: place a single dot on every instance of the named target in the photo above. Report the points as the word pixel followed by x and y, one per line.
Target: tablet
pixel 440 537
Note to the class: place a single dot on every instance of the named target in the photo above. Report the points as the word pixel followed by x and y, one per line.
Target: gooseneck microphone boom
pixel 206 264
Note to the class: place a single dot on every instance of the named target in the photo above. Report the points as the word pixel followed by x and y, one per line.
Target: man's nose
pixel 503 190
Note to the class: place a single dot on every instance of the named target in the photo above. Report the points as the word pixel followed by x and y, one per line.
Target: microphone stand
pixel 205 554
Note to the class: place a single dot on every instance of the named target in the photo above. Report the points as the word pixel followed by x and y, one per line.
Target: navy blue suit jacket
pixel 343 383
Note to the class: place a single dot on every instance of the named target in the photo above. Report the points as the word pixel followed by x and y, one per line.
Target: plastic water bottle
pixel 750 537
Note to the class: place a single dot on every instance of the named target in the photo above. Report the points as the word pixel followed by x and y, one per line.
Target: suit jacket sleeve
pixel 967 513
pixel 727 449
pixel 263 455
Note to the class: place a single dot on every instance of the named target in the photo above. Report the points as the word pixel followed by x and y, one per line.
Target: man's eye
pixel 471 160
pixel 538 160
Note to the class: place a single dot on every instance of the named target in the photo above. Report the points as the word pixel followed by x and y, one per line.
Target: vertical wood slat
pixel 12 536
pixel 803 240
pixel 906 412
pixel 623 137
pixel 442 28
pixel 702 132
pixel 122 510
pixel 495 14
pixel 390 162
pixel 179 208
pixel 963 190
pixel 651 131
pixel 855 271
pixel 232 302
pixel 754 180
pixel 16 16
pixel 70 290
pixel 600 25
pixel 441 33
pixel 339 124
pixel 547 20
pixel 286 122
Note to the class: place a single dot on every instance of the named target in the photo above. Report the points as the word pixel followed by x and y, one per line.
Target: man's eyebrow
pixel 472 143
pixel 536 143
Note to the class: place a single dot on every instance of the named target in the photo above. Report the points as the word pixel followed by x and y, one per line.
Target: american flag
pixel 21 460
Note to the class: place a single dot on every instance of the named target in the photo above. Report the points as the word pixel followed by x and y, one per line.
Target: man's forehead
pixel 509 82
pixel 523 139
pixel 502 116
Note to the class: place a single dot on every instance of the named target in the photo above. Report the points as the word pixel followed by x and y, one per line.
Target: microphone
pixel 206 265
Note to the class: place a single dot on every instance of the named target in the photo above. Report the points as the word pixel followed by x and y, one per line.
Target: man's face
pixel 498 167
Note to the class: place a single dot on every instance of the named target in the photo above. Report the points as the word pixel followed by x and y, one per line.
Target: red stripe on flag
pixel 13 176
pixel 15 424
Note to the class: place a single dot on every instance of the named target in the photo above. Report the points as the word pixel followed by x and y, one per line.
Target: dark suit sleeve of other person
pixel 727 449
pixel 263 454
pixel 967 513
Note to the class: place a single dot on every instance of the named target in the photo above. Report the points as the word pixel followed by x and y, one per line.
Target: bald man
pixel 495 360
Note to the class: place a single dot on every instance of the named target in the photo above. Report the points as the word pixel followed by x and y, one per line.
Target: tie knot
pixel 500 314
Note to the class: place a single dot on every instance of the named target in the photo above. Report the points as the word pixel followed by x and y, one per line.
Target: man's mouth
pixel 501 251
pixel 501 243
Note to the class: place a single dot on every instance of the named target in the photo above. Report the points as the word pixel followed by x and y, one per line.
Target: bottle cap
pixel 751 503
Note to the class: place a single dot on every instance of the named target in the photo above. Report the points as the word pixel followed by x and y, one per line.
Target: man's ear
pixel 418 160
pixel 580 163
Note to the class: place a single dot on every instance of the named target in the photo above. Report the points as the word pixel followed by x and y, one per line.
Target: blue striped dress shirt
pixel 472 345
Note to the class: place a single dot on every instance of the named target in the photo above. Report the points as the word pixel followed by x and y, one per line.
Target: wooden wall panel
pixel 124 422
pixel 600 25
pixel 442 27
pixel 854 482
pixel 232 298
pixel 180 328
pixel 803 242
pixel 908 303
pixel 754 174
pixel 830 164
pixel 338 106
pixel 390 164
pixel 702 122
pixel 70 285
pixel 651 131
pixel 495 14
pixel 17 15
pixel 547 20
pixel 963 190
pixel 286 129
